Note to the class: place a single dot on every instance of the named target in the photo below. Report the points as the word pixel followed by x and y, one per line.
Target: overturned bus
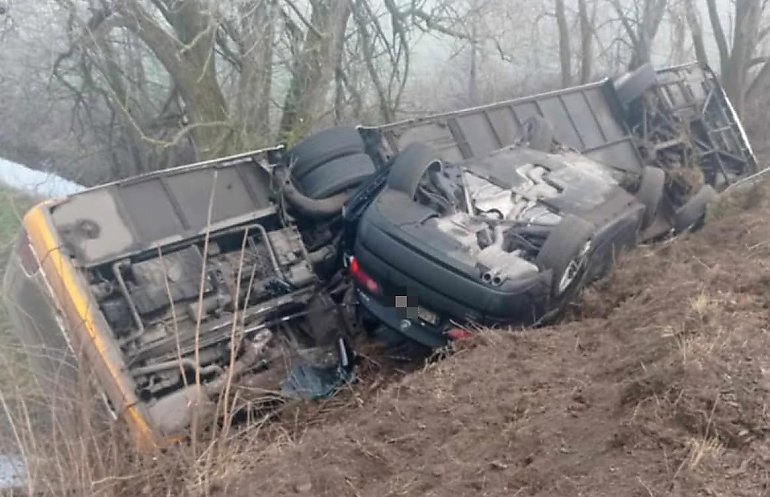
pixel 169 287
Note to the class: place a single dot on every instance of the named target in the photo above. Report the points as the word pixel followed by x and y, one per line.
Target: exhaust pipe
pixel 309 207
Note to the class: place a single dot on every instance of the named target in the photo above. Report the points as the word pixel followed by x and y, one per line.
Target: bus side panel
pixel 34 321
pixel 587 118
pixel 87 326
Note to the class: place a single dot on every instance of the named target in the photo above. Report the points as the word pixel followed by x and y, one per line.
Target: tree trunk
pixel 719 33
pixel 313 67
pixel 473 69
pixel 473 78
pixel 255 48
pixel 641 30
pixel 188 57
pixel 747 16
pixel 650 23
pixel 361 17
pixel 696 32
pixel 586 40
pixel 735 61
pixel 118 99
pixel 565 53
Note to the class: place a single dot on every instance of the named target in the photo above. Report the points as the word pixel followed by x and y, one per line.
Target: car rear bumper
pixel 402 271
pixel 394 318
pixel 454 298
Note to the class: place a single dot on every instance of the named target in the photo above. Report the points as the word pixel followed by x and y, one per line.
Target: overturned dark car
pixel 508 238
pixel 500 214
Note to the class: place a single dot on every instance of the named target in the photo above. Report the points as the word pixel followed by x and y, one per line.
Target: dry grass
pixel 735 201
pixel 703 449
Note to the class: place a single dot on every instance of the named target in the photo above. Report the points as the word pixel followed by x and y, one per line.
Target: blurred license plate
pixel 426 315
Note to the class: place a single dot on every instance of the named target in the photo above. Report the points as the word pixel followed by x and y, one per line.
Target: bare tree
pixel 641 21
pixel 313 67
pixel 186 52
pixel 585 23
pixel 385 57
pixel 737 57
pixel 694 24
pixel 587 33
pixel 143 84
pixel 253 32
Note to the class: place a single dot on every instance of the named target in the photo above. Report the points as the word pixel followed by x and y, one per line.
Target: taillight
pixel 456 334
pixel 362 279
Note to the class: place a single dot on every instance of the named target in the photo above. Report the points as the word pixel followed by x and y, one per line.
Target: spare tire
pixel 336 176
pixel 323 147
pixel 410 165
pixel 692 212
pixel 537 132
pixel 565 253
pixel 631 86
pixel 650 192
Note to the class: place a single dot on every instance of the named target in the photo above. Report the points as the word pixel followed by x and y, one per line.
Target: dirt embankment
pixel 662 388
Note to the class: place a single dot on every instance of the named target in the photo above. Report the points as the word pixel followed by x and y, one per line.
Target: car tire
pixel 537 132
pixel 335 176
pixel 409 166
pixel 322 147
pixel 692 212
pixel 632 85
pixel 650 192
pixel 565 253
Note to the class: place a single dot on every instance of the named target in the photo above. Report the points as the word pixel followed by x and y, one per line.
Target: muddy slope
pixel 662 388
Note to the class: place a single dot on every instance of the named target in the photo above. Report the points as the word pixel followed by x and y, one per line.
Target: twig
pixel 649 492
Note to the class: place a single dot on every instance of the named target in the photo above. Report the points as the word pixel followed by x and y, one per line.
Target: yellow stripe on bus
pixel 39 231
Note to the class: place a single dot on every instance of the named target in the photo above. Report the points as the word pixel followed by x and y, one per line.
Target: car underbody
pixel 501 224
pixel 506 239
